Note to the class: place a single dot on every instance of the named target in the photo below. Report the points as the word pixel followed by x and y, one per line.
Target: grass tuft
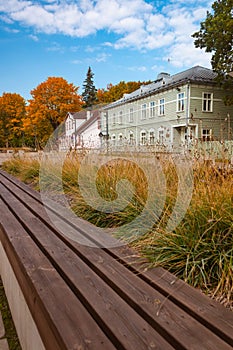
pixel 199 250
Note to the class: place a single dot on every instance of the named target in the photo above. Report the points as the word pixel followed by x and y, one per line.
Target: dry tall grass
pixel 199 250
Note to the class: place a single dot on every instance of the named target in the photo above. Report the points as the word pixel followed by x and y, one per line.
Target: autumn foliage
pixel 50 103
pixel 12 113
pixel 115 92
pixel 32 124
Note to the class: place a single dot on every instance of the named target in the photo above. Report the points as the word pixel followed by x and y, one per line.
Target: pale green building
pixel 171 112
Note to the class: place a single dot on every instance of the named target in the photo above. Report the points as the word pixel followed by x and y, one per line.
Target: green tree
pixel 216 36
pixel 89 94
pixel 12 112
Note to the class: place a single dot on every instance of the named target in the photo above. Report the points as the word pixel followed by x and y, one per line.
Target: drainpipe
pixel 188 104
pixel 75 135
pixel 107 131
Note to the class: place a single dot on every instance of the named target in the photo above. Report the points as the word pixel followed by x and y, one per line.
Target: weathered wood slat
pixel 133 307
pixel 61 318
pixel 120 322
pixel 205 310
pixel 172 321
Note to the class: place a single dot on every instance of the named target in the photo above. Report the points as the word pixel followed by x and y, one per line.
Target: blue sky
pixel 126 40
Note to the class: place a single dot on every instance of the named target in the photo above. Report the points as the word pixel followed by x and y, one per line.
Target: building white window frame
pixel 131 115
pixel 120 120
pixel 120 136
pixel 151 136
pixel 207 101
pixel 161 135
pixel 206 134
pixel 131 138
pixel 114 119
pixel 113 139
pixel 152 109
pixel 143 111
pixel 180 102
pixel 161 107
pixel 143 139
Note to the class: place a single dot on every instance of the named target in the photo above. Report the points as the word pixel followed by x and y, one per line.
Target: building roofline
pixel 197 74
pixel 93 118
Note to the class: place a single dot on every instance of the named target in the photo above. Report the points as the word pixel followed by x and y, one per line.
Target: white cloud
pixel 183 54
pixel 76 62
pixel 138 68
pixel 56 47
pixel 33 37
pixel 11 30
pixel 13 5
pixel 136 24
pixel 102 57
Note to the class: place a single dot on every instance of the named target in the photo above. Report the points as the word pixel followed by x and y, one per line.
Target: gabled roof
pixel 196 73
pixel 79 115
pixel 165 81
pixel 94 116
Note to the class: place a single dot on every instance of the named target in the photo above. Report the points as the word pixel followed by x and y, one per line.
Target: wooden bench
pixel 64 295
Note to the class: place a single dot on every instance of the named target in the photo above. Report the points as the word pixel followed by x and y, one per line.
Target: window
pixel 143 137
pixel 131 115
pixel 131 138
pixel 143 111
pixel 180 102
pixel 120 117
pixel 113 139
pixel 206 134
pixel 161 135
pixel 114 119
pixel 152 109
pixel 120 138
pixel 152 137
pixel 207 102
pixel 162 106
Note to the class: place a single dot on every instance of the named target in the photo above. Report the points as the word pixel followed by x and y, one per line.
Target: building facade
pixel 82 130
pixel 172 112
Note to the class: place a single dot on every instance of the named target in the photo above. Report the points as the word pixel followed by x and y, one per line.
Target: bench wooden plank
pixel 120 322
pixel 117 318
pixel 85 232
pixel 62 320
pixel 157 296
pixel 206 310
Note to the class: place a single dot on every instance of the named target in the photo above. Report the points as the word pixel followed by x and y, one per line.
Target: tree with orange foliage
pixel 50 103
pixel 12 112
pixel 115 92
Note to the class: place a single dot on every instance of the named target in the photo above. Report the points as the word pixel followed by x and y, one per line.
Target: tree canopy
pixel 89 90
pixel 114 92
pixel 50 103
pixel 216 36
pixel 12 112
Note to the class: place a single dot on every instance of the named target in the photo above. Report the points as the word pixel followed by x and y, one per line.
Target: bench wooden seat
pixel 84 297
